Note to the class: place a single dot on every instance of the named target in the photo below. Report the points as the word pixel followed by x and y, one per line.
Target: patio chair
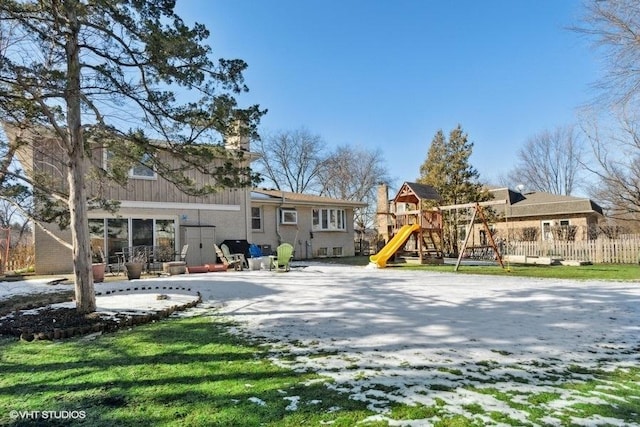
pixel 183 253
pixel 230 260
pixel 281 261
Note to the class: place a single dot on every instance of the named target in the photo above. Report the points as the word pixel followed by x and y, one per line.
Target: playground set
pixel 415 229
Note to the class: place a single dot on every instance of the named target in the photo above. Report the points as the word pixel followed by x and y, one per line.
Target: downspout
pixel 278 219
pixel 247 218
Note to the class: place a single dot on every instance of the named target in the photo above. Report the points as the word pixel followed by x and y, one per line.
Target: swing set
pixel 478 213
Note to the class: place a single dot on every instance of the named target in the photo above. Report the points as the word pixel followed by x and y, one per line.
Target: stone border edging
pixel 118 322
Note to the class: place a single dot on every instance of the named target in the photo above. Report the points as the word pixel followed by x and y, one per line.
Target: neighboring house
pixel 539 216
pixel 316 226
pixel 534 216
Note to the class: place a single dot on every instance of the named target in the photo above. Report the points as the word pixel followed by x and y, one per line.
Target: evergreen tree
pixel 76 73
pixel 448 170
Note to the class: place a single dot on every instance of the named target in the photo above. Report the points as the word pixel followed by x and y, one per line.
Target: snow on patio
pixel 444 339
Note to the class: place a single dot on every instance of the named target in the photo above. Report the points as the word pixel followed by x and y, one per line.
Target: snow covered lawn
pixel 494 349
pixel 471 345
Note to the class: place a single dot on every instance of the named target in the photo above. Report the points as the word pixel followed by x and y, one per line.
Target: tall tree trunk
pixel 85 294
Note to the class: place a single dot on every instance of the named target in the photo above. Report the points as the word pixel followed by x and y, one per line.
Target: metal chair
pixel 183 253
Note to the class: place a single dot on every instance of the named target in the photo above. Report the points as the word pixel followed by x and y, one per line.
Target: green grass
pixel 628 272
pixel 175 372
pixel 191 372
pixel 609 394
pixel 586 272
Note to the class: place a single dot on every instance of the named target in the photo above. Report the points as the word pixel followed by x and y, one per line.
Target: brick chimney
pixel 383 219
pixel 238 137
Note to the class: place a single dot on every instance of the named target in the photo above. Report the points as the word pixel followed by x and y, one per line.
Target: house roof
pixel 409 191
pixel 290 198
pixel 539 203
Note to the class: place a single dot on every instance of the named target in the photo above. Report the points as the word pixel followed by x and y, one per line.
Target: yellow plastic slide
pixel 394 244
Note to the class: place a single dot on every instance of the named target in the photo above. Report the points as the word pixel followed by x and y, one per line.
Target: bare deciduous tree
pixel 298 161
pixel 291 160
pixel 11 217
pixel 352 173
pixel 614 26
pixel 550 161
pixel 616 154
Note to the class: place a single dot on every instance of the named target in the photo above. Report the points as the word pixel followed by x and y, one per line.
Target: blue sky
pixel 389 74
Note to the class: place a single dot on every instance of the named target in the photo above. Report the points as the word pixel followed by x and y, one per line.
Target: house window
pixel 483 238
pixel 546 231
pixel 256 219
pixel 141 232
pixel 288 216
pixel 139 171
pixel 337 251
pixel 329 219
pixel 322 252
pixel 462 232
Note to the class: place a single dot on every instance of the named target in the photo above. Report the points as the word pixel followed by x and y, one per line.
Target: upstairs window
pixel 256 218
pixel 141 171
pixel 138 171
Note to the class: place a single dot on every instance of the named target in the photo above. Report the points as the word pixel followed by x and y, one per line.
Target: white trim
pixel 143 177
pixel 168 205
pixel 260 217
pixel 325 212
pixel 117 215
pixel 301 203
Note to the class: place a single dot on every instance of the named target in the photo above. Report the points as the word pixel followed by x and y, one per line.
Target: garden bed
pixel 57 320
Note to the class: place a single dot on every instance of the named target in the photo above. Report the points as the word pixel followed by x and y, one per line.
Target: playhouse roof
pixel 413 192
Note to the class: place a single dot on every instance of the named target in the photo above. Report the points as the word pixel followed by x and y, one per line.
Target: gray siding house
pixel 154 213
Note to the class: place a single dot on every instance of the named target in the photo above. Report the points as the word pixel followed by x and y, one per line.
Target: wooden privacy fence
pixel 615 251
pixel 20 258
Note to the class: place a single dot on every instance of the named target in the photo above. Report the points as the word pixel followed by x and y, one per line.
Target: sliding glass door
pixel 117 237
pixel 113 235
